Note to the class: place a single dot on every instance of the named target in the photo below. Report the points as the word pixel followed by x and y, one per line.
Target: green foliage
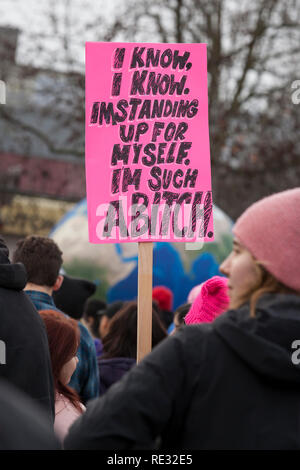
pixel 92 272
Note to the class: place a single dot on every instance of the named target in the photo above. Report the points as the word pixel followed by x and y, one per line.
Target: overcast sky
pixel 33 19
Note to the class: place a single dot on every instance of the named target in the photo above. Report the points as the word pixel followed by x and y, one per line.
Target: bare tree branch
pixel 40 135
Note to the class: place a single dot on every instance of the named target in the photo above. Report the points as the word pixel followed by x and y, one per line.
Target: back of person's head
pixel 163 298
pixel 63 338
pixel 72 295
pixel 42 259
pixel 270 232
pixel 121 339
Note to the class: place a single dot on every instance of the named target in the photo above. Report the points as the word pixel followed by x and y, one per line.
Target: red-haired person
pixel 63 337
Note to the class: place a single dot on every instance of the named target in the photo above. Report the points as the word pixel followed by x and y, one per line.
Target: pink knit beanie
pixel 270 230
pixel 210 303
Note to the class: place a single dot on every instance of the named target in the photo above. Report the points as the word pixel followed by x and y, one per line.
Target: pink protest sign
pixel 147 143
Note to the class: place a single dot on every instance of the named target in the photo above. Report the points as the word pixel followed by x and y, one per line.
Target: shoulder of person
pixel 188 346
pixel 63 405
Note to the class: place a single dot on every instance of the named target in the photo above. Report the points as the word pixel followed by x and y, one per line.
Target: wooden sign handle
pixel 144 324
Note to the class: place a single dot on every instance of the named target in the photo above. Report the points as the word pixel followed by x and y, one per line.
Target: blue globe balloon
pixel 178 266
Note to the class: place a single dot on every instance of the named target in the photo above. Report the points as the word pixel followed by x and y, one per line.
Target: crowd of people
pixel 221 373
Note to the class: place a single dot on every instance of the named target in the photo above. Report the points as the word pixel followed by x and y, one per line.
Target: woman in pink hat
pixel 233 383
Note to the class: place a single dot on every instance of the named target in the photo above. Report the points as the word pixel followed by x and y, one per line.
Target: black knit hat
pixel 72 295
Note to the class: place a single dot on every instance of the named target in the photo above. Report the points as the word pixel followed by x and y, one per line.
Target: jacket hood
pixel 12 276
pixel 264 343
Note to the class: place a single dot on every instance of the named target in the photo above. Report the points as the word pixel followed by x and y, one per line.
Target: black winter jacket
pixel 233 384
pixel 25 359
pixel 22 425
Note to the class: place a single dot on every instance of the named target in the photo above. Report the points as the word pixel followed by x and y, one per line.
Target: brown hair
pixel 121 339
pixel 63 338
pixel 266 284
pixel 42 259
pixel 181 312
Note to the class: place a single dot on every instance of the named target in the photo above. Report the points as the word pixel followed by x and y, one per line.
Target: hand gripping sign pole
pixel 144 326
pixel 147 159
